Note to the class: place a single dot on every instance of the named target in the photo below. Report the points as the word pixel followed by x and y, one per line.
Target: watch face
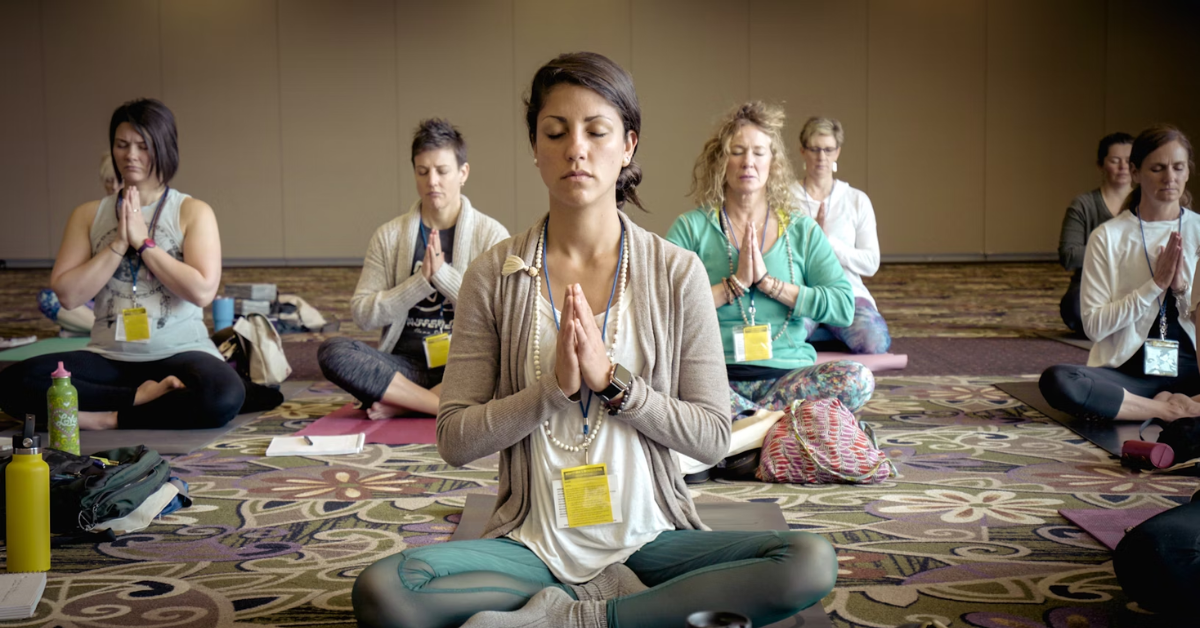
pixel 621 376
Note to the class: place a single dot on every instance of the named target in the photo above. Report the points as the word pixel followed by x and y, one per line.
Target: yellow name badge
pixel 586 499
pixel 752 342
pixel 133 325
pixel 437 350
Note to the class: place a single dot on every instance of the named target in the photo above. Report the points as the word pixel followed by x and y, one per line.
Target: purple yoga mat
pixel 1109 526
pixel 881 362
pixel 350 420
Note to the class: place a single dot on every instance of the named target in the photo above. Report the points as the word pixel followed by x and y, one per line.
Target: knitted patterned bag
pixel 820 442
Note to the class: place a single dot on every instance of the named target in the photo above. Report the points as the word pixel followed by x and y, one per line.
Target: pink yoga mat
pixel 881 362
pixel 350 420
pixel 1109 525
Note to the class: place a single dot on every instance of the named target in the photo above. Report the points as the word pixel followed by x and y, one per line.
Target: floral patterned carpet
pixel 969 535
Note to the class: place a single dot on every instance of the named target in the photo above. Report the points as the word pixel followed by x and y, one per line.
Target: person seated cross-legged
pixel 409 284
pixel 586 299
pixel 1136 294
pixel 150 256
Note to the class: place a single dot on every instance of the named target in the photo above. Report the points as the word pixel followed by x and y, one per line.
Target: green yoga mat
pixel 42 347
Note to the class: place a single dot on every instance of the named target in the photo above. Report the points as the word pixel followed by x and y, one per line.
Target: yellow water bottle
pixel 27 502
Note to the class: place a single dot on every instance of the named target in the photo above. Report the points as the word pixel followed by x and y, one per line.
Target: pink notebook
pixel 350 420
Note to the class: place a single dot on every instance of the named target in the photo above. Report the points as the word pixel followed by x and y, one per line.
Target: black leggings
pixel 1094 392
pixel 365 372
pixel 211 397
pixel 1158 562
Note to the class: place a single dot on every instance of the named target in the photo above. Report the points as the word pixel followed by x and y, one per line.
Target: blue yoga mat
pixel 42 347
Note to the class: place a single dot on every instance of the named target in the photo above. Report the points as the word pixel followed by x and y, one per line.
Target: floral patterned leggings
pixel 866 334
pixel 848 381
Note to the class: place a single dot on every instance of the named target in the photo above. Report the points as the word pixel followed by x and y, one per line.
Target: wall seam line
pixel 46 130
pixel 283 252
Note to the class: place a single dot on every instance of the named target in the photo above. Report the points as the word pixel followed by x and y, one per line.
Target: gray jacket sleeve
pixel 1072 241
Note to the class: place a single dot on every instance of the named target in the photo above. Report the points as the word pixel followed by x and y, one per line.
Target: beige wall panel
pixel 1045 114
pixel 25 211
pixel 811 56
pixel 1153 67
pixel 221 78
pixel 470 83
pixel 691 64
pixel 81 43
pixel 542 30
pixel 340 155
pixel 925 147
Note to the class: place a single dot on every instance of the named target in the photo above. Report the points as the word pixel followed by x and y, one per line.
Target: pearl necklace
pixel 623 278
pixel 787 242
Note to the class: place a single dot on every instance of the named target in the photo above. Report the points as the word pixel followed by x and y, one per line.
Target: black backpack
pixel 85 491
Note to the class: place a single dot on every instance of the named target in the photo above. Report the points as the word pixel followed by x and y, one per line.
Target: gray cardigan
pixel 679 401
pixel 1085 213
pixel 386 291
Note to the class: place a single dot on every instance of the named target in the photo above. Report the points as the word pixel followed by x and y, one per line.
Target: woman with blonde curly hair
pixel 769 268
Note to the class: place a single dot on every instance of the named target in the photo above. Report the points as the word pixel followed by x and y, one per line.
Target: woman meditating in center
pixel 587 341
pixel 768 267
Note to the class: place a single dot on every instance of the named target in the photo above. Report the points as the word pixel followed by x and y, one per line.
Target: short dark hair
pixel 603 76
pixel 156 124
pixel 437 133
pixel 1108 141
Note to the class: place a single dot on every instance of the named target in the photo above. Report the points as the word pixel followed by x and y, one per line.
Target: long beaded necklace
pixel 787 241
pixel 539 256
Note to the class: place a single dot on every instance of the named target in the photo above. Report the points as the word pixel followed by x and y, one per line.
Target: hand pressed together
pixel 580 356
pixel 751 267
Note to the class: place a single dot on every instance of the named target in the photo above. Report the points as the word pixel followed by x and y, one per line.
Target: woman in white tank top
pixel 151 258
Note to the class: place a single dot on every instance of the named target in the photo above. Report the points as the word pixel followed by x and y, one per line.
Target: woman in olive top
pixel 1088 211
pixel 768 267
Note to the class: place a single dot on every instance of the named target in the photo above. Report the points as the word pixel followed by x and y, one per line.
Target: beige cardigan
pixel 386 291
pixel 679 401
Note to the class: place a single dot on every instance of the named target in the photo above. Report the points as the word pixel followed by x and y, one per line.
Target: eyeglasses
pixel 817 151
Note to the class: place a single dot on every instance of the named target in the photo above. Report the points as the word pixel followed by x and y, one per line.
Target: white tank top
pixel 176 325
pixel 577 555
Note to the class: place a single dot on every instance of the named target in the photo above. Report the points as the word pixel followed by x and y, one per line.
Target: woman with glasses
pixel 846 216
pixel 769 267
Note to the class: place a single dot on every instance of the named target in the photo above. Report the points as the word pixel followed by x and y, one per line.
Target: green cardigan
pixel 825 294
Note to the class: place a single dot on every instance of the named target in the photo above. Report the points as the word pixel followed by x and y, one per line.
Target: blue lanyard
pixel 762 242
pixel 554 312
pixel 137 264
pixel 425 243
pixel 1162 305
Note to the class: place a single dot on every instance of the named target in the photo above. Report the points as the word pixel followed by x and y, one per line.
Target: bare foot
pixel 381 410
pixel 97 420
pixel 151 390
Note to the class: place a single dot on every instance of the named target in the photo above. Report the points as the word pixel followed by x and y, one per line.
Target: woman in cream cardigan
pixel 600 394
pixel 409 284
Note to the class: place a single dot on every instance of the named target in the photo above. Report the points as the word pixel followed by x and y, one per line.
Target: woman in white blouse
pixel 848 220
pixel 1137 292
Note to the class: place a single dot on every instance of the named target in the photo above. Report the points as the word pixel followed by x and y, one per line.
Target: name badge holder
pixel 586 496
pixel 1161 356
pixel 133 325
pixel 437 346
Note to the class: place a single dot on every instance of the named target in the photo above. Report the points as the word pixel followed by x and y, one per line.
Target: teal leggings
pixel 767 576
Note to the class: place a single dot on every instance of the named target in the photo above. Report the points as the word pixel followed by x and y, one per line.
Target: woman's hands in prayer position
pixel 751 267
pixel 433 256
pixel 1169 271
pixel 580 357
